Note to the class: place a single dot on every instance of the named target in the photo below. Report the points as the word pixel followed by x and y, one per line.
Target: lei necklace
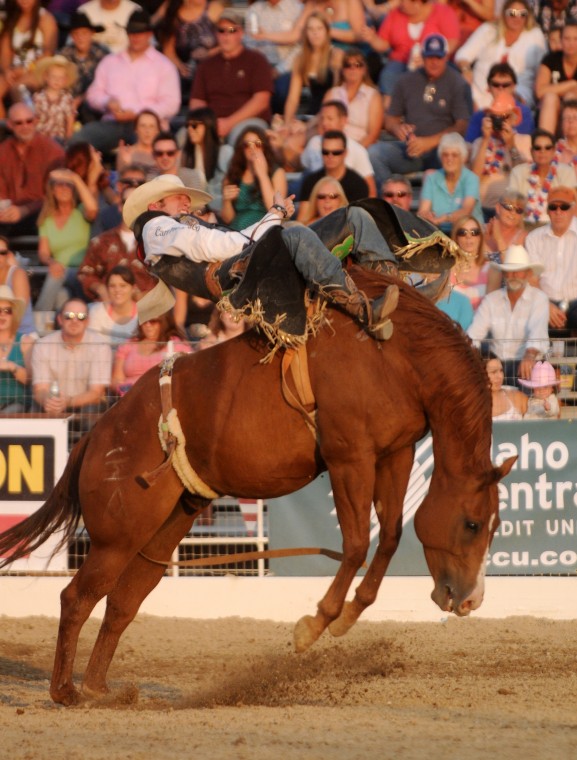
pixel 561 147
pixel 537 195
pixel 494 156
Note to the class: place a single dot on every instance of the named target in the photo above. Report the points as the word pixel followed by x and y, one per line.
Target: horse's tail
pixel 61 509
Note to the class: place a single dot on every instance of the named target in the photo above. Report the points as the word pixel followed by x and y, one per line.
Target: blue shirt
pixel 443 202
pixel 458 307
pixel 526 126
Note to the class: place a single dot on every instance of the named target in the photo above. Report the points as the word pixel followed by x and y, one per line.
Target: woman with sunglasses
pixel 326 196
pixel 64 234
pixel 317 67
pixel 536 179
pixel 471 280
pixel 514 37
pixel 506 227
pixel 17 280
pixel 14 354
pixel 251 181
pixel 154 341
pixel 146 127
pixel 361 97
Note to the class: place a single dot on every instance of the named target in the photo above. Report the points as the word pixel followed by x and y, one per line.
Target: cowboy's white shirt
pixel 165 236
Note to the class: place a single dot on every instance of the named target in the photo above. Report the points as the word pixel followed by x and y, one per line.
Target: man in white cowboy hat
pixel 169 239
pixel 515 317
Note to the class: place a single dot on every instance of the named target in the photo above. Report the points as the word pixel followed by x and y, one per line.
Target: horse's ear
pixel 504 469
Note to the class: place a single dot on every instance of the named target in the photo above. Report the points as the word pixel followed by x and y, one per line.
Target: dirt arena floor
pixel 233 688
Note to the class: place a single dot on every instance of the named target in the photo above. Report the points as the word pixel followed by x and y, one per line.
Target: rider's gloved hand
pixel 141 220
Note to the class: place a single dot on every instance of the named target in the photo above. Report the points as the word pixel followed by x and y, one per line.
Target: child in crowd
pixel 543 403
pixel 54 102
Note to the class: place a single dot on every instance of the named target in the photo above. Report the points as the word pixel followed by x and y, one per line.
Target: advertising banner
pixel 537 502
pixel 33 454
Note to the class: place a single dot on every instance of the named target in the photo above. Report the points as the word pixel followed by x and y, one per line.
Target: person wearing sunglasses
pixel 126 83
pixel 504 229
pixel 165 153
pixel 25 159
pixel 553 248
pixel 471 279
pixel 515 316
pixel 537 178
pixel 236 83
pixel 333 150
pixel 326 196
pixel 557 78
pixel 74 358
pixel 398 191
pixel 14 353
pixel 361 97
pixel 202 153
pixel 425 105
pixel 252 179
pixel 514 37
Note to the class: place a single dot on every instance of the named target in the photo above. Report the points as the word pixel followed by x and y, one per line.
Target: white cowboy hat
pixel 18 304
pixel 516 259
pixel 155 190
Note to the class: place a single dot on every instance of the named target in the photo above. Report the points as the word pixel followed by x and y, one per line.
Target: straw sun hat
pixel 18 304
pixel 155 190
pixel 44 64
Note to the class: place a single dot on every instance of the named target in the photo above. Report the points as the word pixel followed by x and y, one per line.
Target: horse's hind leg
pixel 390 488
pixel 352 490
pixel 93 580
pixel 133 586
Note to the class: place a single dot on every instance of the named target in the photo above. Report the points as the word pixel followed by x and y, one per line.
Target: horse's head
pixel 456 523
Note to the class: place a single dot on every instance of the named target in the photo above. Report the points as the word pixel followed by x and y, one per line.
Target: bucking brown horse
pixel 375 401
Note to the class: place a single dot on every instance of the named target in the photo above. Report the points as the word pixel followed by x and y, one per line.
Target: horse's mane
pixel 457 375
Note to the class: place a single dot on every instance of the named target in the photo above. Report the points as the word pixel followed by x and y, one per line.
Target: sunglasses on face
pixel 539 148
pixel 4 251
pixel 151 322
pixel 21 122
pixel 227 29
pixel 251 143
pixel 500 85
pixel 559 206
pixel 510 207
pixel 79 315
pixel 171 153
pixel 515 12
pixel 6 310
pixel 353 65
pixel 193 124
pixel 327 152
pixel 131 182
pixel 397 194
pixel 327 196
pixel 462 232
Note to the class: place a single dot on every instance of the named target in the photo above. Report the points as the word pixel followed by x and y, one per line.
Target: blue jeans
pixel 390 157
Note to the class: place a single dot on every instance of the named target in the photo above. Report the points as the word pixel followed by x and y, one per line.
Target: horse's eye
pixel 472 526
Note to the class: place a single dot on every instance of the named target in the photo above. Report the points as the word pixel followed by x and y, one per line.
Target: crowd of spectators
pixel 465 112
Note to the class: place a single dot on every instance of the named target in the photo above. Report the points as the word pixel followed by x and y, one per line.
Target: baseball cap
pixel 434 46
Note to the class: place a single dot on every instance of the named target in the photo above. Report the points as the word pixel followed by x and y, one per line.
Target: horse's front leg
pixel 139 578
pixel 392 478
pixel 352 485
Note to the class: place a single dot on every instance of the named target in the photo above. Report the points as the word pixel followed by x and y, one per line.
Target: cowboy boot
pixel 374 315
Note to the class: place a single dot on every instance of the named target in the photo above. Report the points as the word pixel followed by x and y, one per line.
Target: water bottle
pixel 25 96
pixel 54 391
pixel 252 25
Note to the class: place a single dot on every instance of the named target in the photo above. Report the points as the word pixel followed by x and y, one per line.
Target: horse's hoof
pixel 344 622
pixel 66 695
pixel 307 631
pixel 93 692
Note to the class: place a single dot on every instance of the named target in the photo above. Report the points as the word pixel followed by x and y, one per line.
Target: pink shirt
pixel 395 30
pixel 136 364
pixel 148 82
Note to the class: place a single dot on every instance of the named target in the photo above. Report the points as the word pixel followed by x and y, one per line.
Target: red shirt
pixel 23 177
pixel 226 84
pixel 395 30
